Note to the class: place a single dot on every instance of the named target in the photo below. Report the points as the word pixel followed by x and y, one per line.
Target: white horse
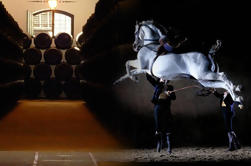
pixel 171 66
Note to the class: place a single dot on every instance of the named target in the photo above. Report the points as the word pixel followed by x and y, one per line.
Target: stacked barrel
pixel 11 71
pixel 52 63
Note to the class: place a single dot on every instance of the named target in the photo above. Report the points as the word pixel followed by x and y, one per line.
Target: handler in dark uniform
pixel 228 112
pixel 162 110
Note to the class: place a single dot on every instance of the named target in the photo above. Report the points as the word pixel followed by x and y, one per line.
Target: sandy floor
pixel 186 154
pixel 128 157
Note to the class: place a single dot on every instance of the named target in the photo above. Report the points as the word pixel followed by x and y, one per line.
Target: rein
pixel 151 67
pixel 154 40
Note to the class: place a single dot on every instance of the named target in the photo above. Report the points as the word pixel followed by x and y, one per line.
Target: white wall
pixel 81 9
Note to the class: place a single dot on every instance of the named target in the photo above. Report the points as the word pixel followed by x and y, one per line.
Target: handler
pixel 228 112
pixel 161 99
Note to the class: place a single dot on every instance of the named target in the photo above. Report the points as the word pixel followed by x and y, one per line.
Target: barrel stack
pixel 11 84
pixel 12 69
pixel 53 64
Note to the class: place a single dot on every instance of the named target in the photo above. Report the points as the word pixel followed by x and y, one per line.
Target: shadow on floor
pixel 6 108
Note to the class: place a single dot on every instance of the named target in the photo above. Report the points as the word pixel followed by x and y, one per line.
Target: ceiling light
pixel 52 4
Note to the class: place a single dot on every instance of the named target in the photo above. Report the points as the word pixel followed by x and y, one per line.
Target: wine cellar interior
pixel 37 66
pixel 52 67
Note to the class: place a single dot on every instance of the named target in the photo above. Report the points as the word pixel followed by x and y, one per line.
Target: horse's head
pixel 145 33
pixel 139 36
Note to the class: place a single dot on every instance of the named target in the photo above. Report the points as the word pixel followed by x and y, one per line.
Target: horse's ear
pixel 137 22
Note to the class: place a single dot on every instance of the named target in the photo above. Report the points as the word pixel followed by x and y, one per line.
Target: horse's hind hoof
pixel 134 78
pixel 115 82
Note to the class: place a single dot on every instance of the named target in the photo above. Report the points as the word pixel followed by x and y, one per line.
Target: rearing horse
pixel 171 66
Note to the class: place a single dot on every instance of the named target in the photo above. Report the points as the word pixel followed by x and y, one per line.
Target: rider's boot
pixel 158 136
pixel 215 48
pixel 168 141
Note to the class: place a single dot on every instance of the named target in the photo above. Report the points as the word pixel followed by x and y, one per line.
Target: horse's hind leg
pixel 234 87
pixel 214 84
pixel 220 84
pixel 212 76
pixel 222 77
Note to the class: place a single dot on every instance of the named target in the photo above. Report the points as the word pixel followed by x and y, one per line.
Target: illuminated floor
pixel 184 156
pixel 66 133
pixel 53 125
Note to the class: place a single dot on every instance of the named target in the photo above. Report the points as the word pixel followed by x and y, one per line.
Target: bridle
pixel 153 41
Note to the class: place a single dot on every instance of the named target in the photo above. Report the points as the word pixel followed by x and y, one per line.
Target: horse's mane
pixel 147 22
pixel 156 24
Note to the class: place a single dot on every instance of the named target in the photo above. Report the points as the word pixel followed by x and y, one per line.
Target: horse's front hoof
pixel 116 82
pixel 135 79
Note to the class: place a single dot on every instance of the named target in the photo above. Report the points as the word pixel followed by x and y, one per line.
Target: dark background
pixel 126 108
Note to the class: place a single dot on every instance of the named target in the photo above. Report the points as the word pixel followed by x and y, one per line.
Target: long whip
pixel 186 87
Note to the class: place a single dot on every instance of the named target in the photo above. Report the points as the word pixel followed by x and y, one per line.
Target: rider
pixel 161 99
pixel 167 45
pixel 227 108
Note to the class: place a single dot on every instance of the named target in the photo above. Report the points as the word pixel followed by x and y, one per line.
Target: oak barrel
pixel 63 72
pixel 72 56
pixel 72 89
pixel 43 41
pixel 42 71
pixel 52 88
pixel 63 40
pixel 32 88
pixel 32 56
pixel 53 56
